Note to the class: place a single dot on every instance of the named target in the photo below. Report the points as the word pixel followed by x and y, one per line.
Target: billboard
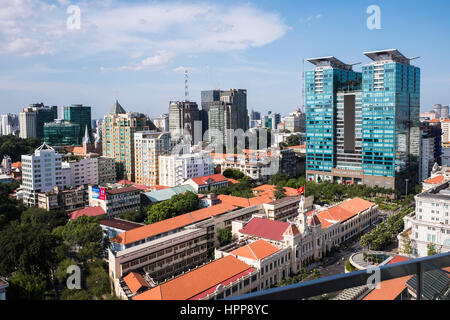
pixel 98 193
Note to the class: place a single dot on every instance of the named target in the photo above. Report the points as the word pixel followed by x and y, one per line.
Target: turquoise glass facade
pixel 321 89
pixel 391 103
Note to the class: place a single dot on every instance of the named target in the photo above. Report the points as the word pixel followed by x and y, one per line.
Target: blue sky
pixel 136 51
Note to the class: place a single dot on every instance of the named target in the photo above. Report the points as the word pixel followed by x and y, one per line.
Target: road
pixel 335 265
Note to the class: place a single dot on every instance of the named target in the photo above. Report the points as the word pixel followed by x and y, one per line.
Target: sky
pixel 137 51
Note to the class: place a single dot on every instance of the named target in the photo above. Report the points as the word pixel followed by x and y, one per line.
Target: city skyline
pixel 143 65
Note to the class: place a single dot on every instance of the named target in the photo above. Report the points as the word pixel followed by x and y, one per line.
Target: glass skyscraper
pixel 364 134
pixel 61 133
pixel 81 115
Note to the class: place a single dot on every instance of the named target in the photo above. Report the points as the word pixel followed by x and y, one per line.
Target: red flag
pixel 301 190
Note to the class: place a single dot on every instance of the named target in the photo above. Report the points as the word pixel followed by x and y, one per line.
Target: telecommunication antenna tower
pixel 186 87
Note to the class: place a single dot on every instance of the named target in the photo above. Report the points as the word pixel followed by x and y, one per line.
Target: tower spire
pixel 86 139
pixel 186 87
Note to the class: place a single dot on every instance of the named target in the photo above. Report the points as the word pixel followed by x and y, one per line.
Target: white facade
pixel 27 123
pixel 9 124
pixel 148 147
pixel 84 171
pixel 430 222
pixel 162 122
pixel 41 172
pixel 445 126
pixel 176 169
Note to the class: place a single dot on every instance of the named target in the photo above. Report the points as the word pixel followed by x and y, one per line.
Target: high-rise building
pixel 176 169
pixel 9 124
pixel 208 98
pixel 233 104
pixel 106 170
pixel 162 122
pixel 81 115
pixel 148 147
pixel 62 133
pixel 33 118
pixel 41 172
pixel 184 118
pixel 364 135
pixel 118 131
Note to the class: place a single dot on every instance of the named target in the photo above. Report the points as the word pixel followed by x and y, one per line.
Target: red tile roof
pixel 135 282
pixel 390 289
pixel 171 224
pixel 270 189
pixel 122 190
pixel 266 229
pixel 17 164
pixel 120 224
pixel 200 181
pixel 257 250
pixel 199 282
pixel 343 211
pixel 89 211
pixel 244 202
pixel 435 180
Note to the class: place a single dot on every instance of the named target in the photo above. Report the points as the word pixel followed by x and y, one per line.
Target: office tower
pixel 387 155
pixel 61 133
pixel 148 147
pixel 391 94
pixel 9 124
pixel 162 122
pixel 272 120
pixel 176 169
pixel 217 116
pixel 208 98
pixel 81 115
pixel 322 84
pixel 27 121
pixel 254 119
pixel 235 113
pixel 118 131
pixel 437 110
pixel 444 112
pixel 33 118
pixel 41 172
pixel 182 118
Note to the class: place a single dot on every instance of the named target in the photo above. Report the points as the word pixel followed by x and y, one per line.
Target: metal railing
pixel 336 283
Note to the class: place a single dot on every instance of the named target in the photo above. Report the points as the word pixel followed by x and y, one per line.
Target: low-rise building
pixel 115 200
pixel 207 183
pixel 429 224
pixel 68 200
pixel 114 227
pixel 222 278
pixel 106 170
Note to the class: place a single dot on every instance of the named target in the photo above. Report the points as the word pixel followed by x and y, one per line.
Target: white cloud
pixel 160 31
pixel 182 69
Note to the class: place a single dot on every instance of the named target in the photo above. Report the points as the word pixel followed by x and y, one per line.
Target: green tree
pixel 61 271
pixel 28 286
pixel 28 248
pixel 225 237
pixel 431 249
pixel 97 281
pixel 233 174
pixel 75 294
pixel 279 192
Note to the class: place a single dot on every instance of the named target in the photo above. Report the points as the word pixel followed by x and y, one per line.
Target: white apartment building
pixel 176 169
pixel 41 172
pixel 429 224
pixel 148 146
pixel 9 124
pixel 445 126
pixel 81 172
pixel 27 123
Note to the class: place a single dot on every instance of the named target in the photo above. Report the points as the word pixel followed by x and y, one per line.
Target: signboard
pixel 98 193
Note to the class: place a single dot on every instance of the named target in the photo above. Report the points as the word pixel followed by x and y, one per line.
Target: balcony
pixel 428 281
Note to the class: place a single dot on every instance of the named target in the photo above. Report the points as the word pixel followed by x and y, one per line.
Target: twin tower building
pixel 364 127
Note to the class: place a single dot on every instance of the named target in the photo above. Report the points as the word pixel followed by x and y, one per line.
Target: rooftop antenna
pixel 186 87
